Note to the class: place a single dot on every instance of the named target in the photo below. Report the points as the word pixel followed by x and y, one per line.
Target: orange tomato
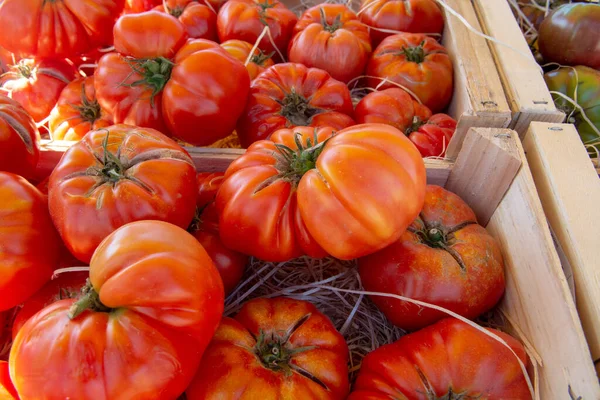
pixel 240 50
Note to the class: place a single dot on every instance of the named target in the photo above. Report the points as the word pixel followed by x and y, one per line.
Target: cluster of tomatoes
pixel 114 269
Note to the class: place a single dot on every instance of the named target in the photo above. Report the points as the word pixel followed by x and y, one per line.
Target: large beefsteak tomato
pixel 347 196
pixel 418 63
pixel 274 349
pixel 57 28
pixel 139 330
pixel 448 360
pixel 240 50
pixel 117 175
pixel 330 37
pixel 199 20
pixel 19 139
pixel 289 95
pixel 444 258
pixel 30 245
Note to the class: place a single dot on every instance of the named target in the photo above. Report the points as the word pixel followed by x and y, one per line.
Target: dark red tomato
pixel 37 84
pixel 448 360
pixel 200 21
pixel 19 139
pixel 414 16
pixel 431 136
pixel 418 63
pixel 444 258
pixel 290 95
pixel 7 389
pixel 246 19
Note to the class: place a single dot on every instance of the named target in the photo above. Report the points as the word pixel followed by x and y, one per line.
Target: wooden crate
pixel 569 190
pixel 492 174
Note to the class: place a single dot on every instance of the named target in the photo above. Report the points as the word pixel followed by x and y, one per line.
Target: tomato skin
pixel 7 59
pixel 569 35
pixel 243 20
pixel 343 53
pixel 414 267
pixel 293 84
pixel 37 84
pixel 156 180
pixel 58 29
pixel 77 111
pixel 30 245
pixel 7 389
pixel 198 95
pixel 240 51
pixel 431 136
pixel 19 139
pixel 231 369
pixel 138 6
pixel 431 79
pixel 412 16
pixel 165 319
pixel 199 20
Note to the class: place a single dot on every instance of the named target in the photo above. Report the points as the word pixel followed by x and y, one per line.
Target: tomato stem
pixel 293 164
pixel 416 124
pixel 414 54
pixel 89 110
pixel 155 73
pixel 89 300
pixel 176 11
pixel 334 26
pixel 297 110
pixel 260 58
pixel 25 70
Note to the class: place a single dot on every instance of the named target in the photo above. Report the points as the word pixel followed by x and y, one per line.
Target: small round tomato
pixel 152 304
pixel 30 245
pixel 19 139
pixel 117 175
pixel 199 20
pixel 7 389
pixel 444 258
pixel 246 19
pixel 289 95
pixel 77 111
pixel 274 349
pixel 448 360
pixel 414 16
pixel 418 63
pixel 37 84
pixel 330 37
pixel 240 50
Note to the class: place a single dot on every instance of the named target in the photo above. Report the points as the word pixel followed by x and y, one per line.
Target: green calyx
pixel 297 110
pixel 334 26
pixel 89 110
pixel 25 70
pixel 414 54
pixel 262 11
pixel 176 11
pixel 155 73
pixel 89 300
pixel 260 58
pixel 416 124
pixel 293 164
pixel 113 169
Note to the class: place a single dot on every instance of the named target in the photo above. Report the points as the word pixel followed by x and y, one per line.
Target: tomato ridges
pixel 19 128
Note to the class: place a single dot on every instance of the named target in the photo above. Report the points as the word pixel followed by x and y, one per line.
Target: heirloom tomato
pixel 138 331
pixel 199 20
pixel 139 6
pixel 77 111
pixel 569 35
pixel 37 84
pixel 305 192
pixel 240 50
pixel 30 245
pixel 246 19
pixel 57 28
pixel 289 95
pixel 117 175
pixel 330 37
pixel 448 360
pixel 276 348
pixel 7 389
pixel 205 228
pixel 19 139
pixel 444 258
pixel 413 16
pixel 418 63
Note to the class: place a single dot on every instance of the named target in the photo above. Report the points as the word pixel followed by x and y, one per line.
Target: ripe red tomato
pixel 246 19
pixel 138 6
pixel 431 136
pixel 274 349
pixel 19 139
pixel 57 28
pixel 152 306
pixel 117 175
pixel 77 111
pixel 30 245
pixel 418 63
pixel 444 258
pixel 240 50
pixel 448 360
pixel 7 389
pixel 37 84
pixel 199 20
pixel 414 16
pixel 7 59
pixel 332 198
pixel 330 37
pixel 289 95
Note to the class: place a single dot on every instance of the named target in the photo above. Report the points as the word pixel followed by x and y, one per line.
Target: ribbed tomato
pixel 200 21
pixel 117 175
pixel 240 50
pixel 57 28
pixel 77 111
pixel 274 349
pixel 418 63
pixel 139 329
pixel 330 196
pixel 289 95
pixel 330 37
